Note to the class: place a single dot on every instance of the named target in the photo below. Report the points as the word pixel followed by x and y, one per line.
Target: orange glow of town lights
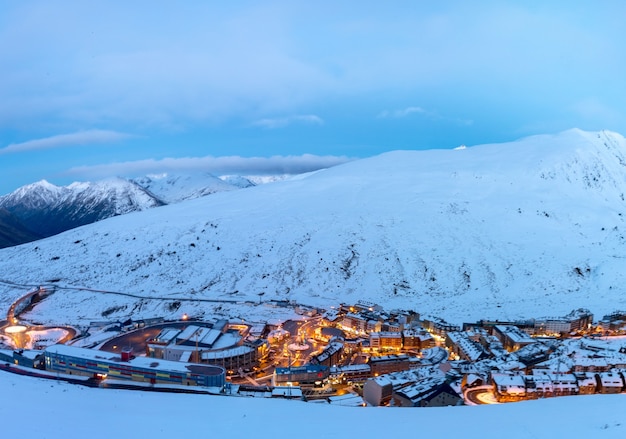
pixel 15 329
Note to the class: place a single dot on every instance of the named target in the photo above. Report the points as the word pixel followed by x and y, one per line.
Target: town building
pixel 351 373
pixel 377 391
pixel 511 337
pixel 88 362
pixel 23 357
pixel 610 382
pixel 389 363
pixel 219 343
pixel 534 353
pixel 590 364
pixel 433 392
pixel 575 321
pixel 466 348
pixel 330 356
pixel 417 339
pixel 564 384
pixel 587 383
pixel 438 326
pixel 380 341
pixel 508 387
pixel 301 375
pixel 357 323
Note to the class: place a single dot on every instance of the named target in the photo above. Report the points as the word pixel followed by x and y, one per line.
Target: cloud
pixel 224 62
pixel 309 119
pixel 65 140
pixel 432 115
pixel 397 114
pixel 214 165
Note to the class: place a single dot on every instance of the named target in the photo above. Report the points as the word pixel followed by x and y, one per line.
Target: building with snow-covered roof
pixel 577 320
pixel 377 391
pixel 385 340
pixel 417 339
pixel 347 399
pixel 23 357
pixel 438 326
pixel 511 337
pixel 219 343
pixel 351 373
pixel 610 382
pixel 587 383
pixel 564 384
pixel 508 387
pixel 389 363
pixel 327 333
pixel 365 305
pixel 534 353
pixel 466 348
pixel 88 362
pixel 433 392
pixel 590 364
pixel 330 356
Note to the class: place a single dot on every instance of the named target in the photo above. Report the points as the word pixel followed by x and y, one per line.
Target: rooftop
pixel 142 362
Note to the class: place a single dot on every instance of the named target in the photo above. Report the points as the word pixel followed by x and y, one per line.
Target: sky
pixel 97 89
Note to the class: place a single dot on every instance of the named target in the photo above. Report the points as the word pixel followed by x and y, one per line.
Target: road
pixel 28 296
pixel 480 395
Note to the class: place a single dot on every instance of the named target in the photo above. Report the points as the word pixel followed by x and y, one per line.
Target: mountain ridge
pixel 47 209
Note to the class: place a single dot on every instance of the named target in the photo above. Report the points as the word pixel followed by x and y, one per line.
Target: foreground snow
pixel 41 408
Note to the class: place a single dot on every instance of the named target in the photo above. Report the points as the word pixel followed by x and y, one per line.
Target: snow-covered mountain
pixel 47 209
pixel 180 187
pixel 44 209
pixel 529 228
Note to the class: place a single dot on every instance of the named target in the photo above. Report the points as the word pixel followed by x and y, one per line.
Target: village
pixel 359 355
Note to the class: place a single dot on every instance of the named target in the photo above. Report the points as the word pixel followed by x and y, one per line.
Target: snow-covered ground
pixel 525 229
pixel 44 337
pixel 41 408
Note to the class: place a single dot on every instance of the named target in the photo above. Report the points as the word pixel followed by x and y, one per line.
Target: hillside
pixel 528 228
pixel 12 232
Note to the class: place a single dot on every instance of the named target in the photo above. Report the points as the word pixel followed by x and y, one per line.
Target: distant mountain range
pixel 42 209
pixel 531 228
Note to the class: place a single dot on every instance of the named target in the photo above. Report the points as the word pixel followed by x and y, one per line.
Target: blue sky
pixel 97 89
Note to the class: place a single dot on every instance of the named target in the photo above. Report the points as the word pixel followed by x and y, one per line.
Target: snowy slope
pixel 180 187
pixel 63 410
pixel 528 228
